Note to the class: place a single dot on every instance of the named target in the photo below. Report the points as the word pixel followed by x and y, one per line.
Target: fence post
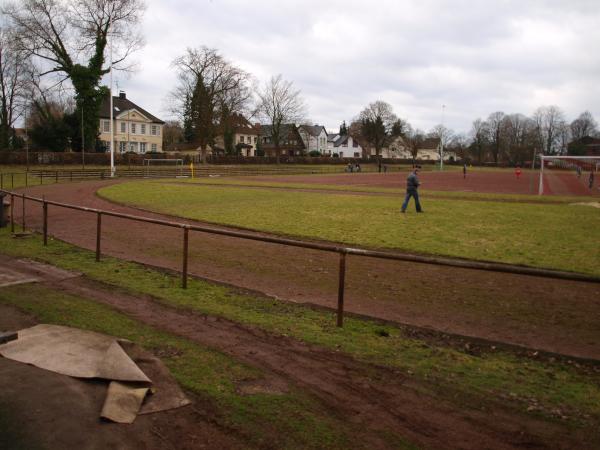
pixel 340 310
pixel 12 180
pixel 184 271
pixel 26 178
pixel 98 235
pixel 12 213
pixel 1 181
pixel 56 174
pixel 23 216
pixel 42 177
pixel 45 209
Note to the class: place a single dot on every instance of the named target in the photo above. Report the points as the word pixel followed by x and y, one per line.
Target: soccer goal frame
pixel 178 163
pixel 588 163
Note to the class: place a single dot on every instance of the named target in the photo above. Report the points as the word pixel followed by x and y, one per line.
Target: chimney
pixel 122 95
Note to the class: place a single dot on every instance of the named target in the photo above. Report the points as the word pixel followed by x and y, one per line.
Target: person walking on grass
pixel 465 171
pixel 412 186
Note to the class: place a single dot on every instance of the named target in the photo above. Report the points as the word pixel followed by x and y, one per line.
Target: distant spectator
pixel 465 170
pixel 591 179
pixel 578 171
pixel 518 172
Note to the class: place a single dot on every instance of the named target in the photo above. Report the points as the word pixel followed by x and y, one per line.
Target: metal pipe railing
pixel 341 250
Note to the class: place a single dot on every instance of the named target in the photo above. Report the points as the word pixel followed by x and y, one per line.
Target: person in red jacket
pixel 518 172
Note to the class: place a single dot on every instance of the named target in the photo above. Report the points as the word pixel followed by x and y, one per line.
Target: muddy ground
pixel 55 411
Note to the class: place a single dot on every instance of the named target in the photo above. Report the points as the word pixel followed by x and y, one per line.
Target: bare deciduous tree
pixel 584 125
pixel 209 91
pixel 69 38
pixel 479 134
pixel 15 73
pixel 280 104
pixel 549 121
pixel 494 128
pixel 414 139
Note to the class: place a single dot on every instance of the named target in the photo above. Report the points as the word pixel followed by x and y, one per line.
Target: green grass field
pixel 558 236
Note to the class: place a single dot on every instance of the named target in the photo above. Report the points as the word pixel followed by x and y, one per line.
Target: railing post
pixel 56 174
pixel 12 180
pixel 342 277
pixel 23 211
pixel 184 271
pixel 45 209
pixel 26 178
pixel 98 235
pixel 41 177
pixel 12 213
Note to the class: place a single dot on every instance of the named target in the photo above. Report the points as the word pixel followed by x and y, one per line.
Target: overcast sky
pixel 475 57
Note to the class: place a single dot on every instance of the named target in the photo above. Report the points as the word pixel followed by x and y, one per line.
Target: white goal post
pixel 579 164
pixel 177 163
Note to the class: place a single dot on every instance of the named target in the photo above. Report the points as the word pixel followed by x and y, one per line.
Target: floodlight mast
pixel 112 125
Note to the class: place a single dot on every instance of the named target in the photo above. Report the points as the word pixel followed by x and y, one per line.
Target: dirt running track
pixel 552 315
pixel 485 181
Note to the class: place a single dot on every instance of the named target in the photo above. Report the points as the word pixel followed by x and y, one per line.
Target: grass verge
pixel 549 388
pixel 555 236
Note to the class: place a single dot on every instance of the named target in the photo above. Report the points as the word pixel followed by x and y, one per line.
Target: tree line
pixel 53 59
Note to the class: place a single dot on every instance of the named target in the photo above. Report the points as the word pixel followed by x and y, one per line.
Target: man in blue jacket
pixel 412 186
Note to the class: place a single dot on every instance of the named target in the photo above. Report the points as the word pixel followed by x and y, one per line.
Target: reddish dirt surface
pixel 485 181
pixel 551 315
pixel 374 399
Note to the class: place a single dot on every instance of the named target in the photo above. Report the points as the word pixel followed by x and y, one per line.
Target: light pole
pixel 442 140
pixel 112 125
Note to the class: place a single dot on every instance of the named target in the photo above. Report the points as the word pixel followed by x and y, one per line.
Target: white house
pixel 345 146
pixel 314 138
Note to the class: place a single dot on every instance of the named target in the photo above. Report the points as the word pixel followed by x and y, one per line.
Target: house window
pixel 153 130
pixel 133 128
pixel 142 147
pixel 123 127
pixel 345 144
pixel 153 148
pixel 158 131
pixel 242 139
pixel 255 139
pixel 354 143
pixel 106 126
pixel 122 146
pixel 143 128
pixel 356 155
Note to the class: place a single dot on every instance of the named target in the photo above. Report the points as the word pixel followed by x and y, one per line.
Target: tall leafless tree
pixel 584 125
pixel 279 104
pixel 549 121
pixel 15 72
pixel 414 139
pixel 69 38
pixel 209 91
pixel 494 128
pixel 480 142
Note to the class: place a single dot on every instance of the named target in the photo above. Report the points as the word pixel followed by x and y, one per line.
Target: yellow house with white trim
pixel 135 129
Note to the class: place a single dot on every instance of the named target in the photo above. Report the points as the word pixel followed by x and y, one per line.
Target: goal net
pixel 163 167
pixel 569 175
